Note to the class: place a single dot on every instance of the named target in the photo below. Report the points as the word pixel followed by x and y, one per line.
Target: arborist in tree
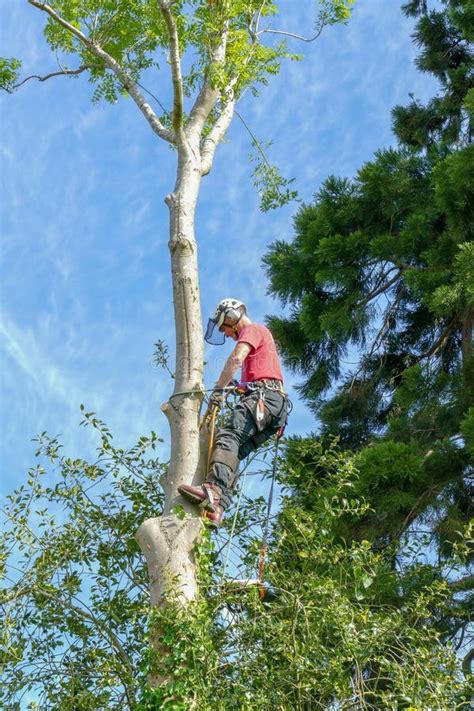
pixel 261 412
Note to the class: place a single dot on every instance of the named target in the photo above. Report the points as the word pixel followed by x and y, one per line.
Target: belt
pixel 266 383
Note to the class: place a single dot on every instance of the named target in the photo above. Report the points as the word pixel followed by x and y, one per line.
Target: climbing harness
pixel 235 387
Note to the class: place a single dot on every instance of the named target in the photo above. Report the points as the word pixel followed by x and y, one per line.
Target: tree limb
pixel 178 93
pixel 415 510
pixel 254 138
pixel 63 72
pixel 208 95
pixel 291 34
pixel 121 73
pixel 465 583
pixel 218 131
pixel 103 631
pixel 440 341
pixel 383 287
pixel 253 27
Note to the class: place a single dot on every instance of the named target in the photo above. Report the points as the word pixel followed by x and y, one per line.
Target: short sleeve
pixel 251 335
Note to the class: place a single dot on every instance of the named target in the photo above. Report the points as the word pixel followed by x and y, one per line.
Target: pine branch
pixel 124 77
pixel 465 583
pixel 440 341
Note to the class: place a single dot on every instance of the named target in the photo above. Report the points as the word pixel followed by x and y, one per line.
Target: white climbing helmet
pixel 226 308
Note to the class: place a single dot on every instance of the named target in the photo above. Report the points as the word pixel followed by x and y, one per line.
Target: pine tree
pixel 380 273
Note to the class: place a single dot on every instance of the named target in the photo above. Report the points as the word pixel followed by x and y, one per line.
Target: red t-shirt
pixel 262 362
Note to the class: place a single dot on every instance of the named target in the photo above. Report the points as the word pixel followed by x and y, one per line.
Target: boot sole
pixel 196 500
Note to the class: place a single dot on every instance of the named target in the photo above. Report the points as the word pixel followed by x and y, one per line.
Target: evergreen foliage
pixel 380 287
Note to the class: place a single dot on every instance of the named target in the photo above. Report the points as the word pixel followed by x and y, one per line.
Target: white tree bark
pixel 168 541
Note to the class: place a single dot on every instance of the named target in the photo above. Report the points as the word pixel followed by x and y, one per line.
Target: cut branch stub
pixel 168 544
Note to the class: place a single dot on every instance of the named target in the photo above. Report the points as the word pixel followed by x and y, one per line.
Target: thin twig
pixel 64 72
pixel 292 35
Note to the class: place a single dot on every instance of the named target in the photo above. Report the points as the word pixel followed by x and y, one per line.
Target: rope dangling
pixel 263 552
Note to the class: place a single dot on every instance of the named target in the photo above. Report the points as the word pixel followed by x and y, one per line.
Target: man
pixel 261 412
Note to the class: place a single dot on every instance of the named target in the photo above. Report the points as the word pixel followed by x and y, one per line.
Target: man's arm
pixel 234 362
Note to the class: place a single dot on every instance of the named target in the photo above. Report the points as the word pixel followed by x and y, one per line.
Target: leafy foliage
pixel 9 69
pixel 126 46
pixel 75 597
pixel 383 263
pixel 355 631
pixel 273 189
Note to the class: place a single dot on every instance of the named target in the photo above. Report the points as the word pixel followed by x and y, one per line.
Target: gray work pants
pixel 242 434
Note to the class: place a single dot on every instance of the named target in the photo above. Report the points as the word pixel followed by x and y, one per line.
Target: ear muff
pixel 233 315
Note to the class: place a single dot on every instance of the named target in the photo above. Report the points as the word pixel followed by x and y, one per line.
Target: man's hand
pixel 216 398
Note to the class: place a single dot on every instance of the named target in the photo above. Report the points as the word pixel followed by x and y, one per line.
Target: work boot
pixel 206 496
pixel 214 517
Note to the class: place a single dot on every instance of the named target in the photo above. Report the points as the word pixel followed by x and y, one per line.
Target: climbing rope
pixel 209 419
pixel 263 551
pixel 234 521
pixel 266 526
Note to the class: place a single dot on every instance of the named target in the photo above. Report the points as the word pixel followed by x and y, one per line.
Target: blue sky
pixel 85 282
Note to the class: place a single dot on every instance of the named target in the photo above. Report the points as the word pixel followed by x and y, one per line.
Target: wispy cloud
pixel 86 288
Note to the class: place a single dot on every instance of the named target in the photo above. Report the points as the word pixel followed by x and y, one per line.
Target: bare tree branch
pixel 121 73
pixel 256 20
pixel 143 88
pixel 440 341
pixel 63 72
pixel 254 138
pixel 416 508
pixel 218 131
pixel 104 631
pixel 290 34
pixel 208 94
pixel 383 286
pixel 85 614
pixel 178 93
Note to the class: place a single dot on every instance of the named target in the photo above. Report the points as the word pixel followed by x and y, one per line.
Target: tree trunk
pixel 168 541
